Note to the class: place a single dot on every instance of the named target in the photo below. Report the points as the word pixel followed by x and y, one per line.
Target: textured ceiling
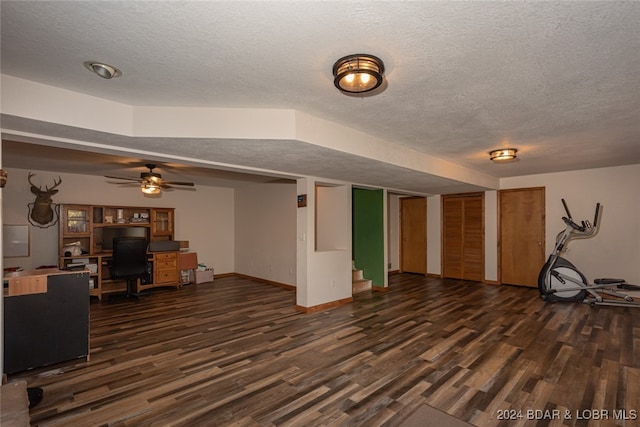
pixel 557 80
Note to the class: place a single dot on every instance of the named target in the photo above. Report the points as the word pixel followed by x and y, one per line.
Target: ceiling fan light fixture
pixel 503 155
pixel 358 73
pixel 151 182
pixel 105 71
pixel 148 187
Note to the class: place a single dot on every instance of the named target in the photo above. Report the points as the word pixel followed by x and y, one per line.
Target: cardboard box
pixel 204 276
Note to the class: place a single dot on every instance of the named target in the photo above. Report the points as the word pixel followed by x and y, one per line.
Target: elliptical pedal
pixel 628 287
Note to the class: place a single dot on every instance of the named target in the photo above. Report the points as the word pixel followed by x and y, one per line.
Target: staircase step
pixel 361 285
pixel 356 275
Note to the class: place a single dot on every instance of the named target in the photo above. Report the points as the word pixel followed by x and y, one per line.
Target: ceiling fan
pixel 152 182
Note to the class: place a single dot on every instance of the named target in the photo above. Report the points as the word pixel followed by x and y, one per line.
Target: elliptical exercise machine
pixel 559 280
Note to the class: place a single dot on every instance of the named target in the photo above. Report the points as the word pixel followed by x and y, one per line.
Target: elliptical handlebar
pixel 569 221
pixel 566 209
pixel 595 216
pixel 586 227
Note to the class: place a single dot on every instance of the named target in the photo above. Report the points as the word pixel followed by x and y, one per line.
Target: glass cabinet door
pixel 76 220
pixel 162 221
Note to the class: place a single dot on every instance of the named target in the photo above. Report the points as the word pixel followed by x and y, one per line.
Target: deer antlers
pixel 48 190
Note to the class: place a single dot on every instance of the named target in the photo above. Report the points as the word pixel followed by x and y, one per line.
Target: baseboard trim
pixel 325 306
pixel 392 272
pixel 380 288
pixel 223 275
pixel 491 282
pixel 268 282
pixel 434 276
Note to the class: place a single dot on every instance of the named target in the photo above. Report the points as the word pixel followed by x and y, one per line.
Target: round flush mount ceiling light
pixel 358 73
pixel 503 155
pixel 105 71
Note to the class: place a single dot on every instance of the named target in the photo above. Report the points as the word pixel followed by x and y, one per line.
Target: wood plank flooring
pixel 236 352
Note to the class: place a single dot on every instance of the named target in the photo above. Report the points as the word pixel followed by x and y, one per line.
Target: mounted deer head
pixel 42 212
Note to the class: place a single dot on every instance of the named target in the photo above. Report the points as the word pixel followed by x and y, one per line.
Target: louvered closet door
pixel 452 236
pixel 473 239
pixel 463 236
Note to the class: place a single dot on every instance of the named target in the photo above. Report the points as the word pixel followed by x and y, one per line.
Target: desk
pixel 162 270
pixel 46 318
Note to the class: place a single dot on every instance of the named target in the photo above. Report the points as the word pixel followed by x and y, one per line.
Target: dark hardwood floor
pixel 236 352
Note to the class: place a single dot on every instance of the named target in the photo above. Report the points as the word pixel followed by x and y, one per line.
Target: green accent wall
pixel 368 234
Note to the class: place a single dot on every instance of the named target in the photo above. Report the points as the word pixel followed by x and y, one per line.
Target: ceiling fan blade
pixel 190 184
pixel 167 187
pixel 120 177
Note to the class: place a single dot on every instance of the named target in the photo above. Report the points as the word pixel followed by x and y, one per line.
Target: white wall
pixel 204 217
pixel 331 230
pixel 322 276
pixel 265 232
pixel 615 250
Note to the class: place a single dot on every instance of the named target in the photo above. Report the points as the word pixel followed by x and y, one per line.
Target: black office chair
pixel 129 262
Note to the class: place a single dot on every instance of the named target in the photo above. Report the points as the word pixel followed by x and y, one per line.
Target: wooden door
pixel 453 219
pixel 473 239
pixel 522 228
pixel 413 231
pixel 463 236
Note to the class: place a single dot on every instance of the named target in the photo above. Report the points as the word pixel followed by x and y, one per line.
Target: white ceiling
pixel 560 81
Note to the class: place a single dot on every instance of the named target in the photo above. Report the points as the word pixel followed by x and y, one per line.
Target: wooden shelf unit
pixel 87 225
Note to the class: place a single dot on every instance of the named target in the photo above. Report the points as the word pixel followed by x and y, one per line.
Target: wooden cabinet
pixel 75 228
pixel 45 326
pixel 165 268
pixel 161 223
pixel 76 220
pixel 90 229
